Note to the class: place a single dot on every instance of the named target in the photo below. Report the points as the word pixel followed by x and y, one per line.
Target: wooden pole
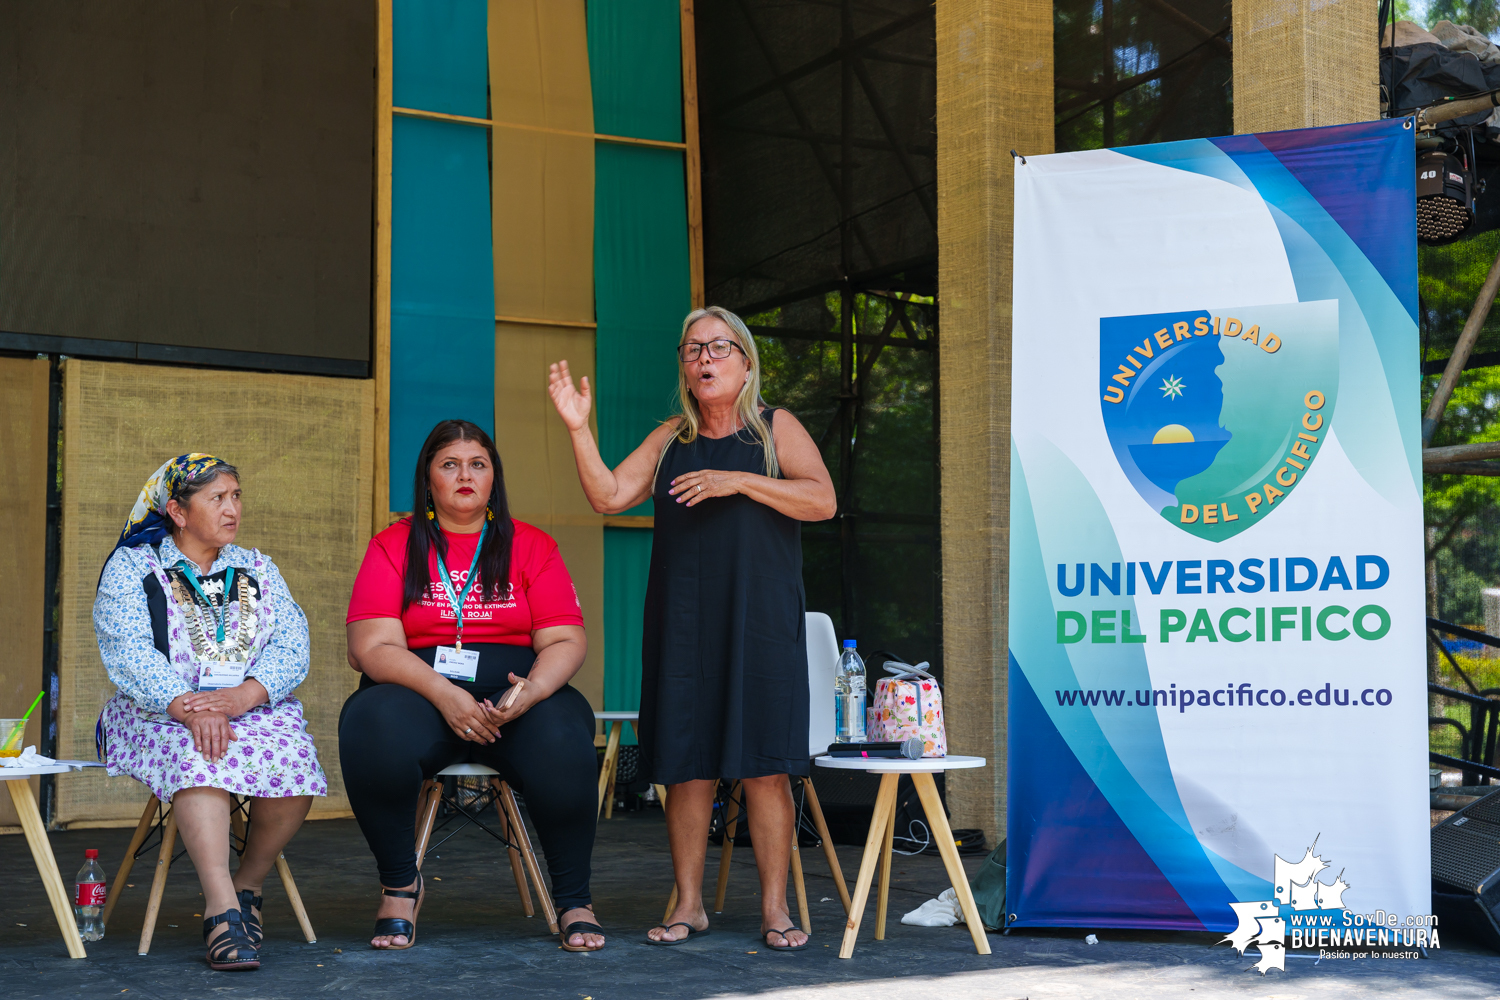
pixel 692 162
pixel 380 361
pixel 1460 357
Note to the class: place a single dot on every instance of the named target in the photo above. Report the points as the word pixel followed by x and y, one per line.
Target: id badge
pixel 216 674
pixel 456 664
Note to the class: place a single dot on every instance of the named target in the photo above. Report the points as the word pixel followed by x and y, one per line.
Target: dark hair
pixel 494 556
pixel 192 487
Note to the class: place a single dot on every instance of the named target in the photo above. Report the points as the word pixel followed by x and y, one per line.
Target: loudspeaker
pixel 1466 871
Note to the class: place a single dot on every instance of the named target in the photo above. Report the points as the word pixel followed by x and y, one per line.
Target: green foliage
pixel 889 494
pixel 1481 15
pixel 1462 512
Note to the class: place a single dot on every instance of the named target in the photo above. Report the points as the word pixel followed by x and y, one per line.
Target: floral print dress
pixel 153 657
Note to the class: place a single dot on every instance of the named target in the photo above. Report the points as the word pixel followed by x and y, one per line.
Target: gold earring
pixel 488 513
pixel 431 514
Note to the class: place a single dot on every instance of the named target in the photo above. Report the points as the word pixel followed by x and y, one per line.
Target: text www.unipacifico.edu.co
pixel 1228 696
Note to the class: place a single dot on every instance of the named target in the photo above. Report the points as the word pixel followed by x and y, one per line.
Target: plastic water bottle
pixel 849 696
pixel 88 898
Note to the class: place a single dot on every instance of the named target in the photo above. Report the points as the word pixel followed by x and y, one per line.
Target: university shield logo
pixel 1216 415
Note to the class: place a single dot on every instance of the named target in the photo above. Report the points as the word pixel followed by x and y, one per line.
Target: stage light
pixel 1445 198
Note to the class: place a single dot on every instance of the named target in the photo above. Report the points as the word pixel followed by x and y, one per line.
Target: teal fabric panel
pixel 627 563
pixel 442 288
pixel 635 61
pixel 440 56
pixel 641 291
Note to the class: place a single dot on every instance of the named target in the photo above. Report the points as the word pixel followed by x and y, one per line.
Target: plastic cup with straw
pixel 13 731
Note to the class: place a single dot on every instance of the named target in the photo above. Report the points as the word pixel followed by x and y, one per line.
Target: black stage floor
pixel 473 939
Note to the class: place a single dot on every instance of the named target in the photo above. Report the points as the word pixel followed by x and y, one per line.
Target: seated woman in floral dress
pixel 205 645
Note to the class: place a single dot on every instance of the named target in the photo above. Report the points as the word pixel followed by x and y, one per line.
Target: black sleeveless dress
pixel 724 650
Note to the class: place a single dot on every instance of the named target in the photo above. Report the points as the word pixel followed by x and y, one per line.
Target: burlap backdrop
pixel 23 511
pixel 1303 63
pixel 994 94
pixel 305 448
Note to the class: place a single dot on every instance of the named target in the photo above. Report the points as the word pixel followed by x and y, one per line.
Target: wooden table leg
pixel 159 881
pixel 821 825
pixel 142 831
pixel 938 821
pixel 46 864
pixel 884 897
pixel 726 850
pixel 885 804
pixel 607 772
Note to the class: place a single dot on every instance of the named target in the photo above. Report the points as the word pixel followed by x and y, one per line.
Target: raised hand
pixel 573 404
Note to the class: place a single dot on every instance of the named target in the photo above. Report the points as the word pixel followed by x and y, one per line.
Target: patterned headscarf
pixel 148 522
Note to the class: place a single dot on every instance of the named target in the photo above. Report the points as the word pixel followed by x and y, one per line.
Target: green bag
pixel 988 887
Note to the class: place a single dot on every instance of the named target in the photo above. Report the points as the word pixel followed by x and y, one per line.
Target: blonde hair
pixel 747 405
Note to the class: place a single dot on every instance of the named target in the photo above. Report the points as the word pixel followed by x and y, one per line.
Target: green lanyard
pixel 457 600
pixel 192 578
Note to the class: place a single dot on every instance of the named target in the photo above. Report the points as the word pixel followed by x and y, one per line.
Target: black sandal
pixel 397 926
pixel 233 939
pixel 664 943
pixel 580 927
pixel 788 946
pixel 249 903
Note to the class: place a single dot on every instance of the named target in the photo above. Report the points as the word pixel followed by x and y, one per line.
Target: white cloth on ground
pixel 944 911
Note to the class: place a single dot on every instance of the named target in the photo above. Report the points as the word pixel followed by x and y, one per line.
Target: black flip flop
pixel 692 932
pixel 580 927
pixel 783 947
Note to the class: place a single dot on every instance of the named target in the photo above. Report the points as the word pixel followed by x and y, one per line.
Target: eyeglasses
pixel 717 349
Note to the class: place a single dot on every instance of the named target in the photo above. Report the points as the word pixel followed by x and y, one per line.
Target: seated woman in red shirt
pixel 435 690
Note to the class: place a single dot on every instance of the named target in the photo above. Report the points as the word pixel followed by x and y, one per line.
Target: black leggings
pixel 391 739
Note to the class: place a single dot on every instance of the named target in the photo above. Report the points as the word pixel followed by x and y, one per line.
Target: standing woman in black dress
pixel 724 654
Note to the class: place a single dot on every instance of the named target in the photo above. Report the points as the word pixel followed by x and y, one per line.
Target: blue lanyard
pixel 192 578
pixel 457 600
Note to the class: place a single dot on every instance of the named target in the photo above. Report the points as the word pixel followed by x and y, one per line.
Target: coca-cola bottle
pixel 88 898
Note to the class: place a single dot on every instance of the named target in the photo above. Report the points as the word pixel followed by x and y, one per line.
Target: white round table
pixel 613 723
pixel 883 831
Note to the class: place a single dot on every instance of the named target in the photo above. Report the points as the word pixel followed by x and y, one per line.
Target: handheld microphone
pixel 908 749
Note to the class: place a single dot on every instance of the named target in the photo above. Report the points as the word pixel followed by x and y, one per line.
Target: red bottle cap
pixel 91 853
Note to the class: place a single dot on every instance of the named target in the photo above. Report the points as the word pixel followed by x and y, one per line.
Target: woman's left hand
pixel 514 703
pixel 695 487
pixel 232 701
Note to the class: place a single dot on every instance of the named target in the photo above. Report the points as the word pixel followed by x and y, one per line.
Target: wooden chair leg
pixel 800 886
pixel 295 898
pixel 661 795
pixel 516 869
pixel 159 882
pixel 884 896
pixel 528 855
pixel 726 851
pixel 821 825
pixel 427 805
pixel 607 772
pixel 142 831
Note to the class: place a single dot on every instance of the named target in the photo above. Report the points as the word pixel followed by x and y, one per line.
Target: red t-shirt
pixel 541 591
